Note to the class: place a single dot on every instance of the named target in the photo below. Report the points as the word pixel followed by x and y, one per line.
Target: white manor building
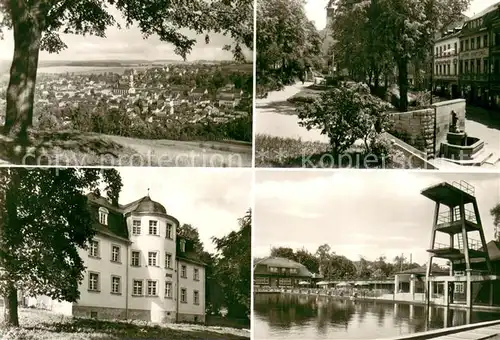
pixel 138 267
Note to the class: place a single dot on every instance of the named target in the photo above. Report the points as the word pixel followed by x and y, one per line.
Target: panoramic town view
pixel 172 92
pixel 378 84
pixel 138 258
pixel 383 256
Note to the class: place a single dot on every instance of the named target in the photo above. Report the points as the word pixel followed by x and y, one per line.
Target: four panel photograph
pixel 140 140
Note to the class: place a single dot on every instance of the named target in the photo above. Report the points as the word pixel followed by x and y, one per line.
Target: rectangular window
pixel 196 274
pixel 115 253
pixel 94 248
pixel 153 227
pixel 273 269
pixel 115 285
pixel 478 66
pixel 183 295
pixel 152 288
pixel 440 51
pixel 136 258
pixel 285 281
pixel 486 66
pixel 459 287
pixel 455 49
pixel 168 260
pixel 152 258
pixel 137 288
pixel 472 43
pixel 182 244
pixel 461 67
pixel 196 297
pixel 485 41
pixel 94 282
pixel 467 44
pixel 103 216
pixel 168 289
pixel 461 46
pixel 183 271
pixel 478 42
pixel 169 233
pixel 136 227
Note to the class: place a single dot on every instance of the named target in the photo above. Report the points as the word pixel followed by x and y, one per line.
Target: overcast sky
pixel 315 10
pixel 212 200
pixel 125 44
pixel 366 213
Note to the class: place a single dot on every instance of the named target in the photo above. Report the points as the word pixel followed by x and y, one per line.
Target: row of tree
pixel 227 273
pixel 287 43
pixel 338 267
pixel 113 121
pixel 375 38
pixel 45 218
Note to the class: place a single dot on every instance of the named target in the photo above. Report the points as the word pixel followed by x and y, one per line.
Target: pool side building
pixel 279 272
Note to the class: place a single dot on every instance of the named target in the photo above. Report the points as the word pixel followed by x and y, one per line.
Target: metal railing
pixel 464 186
pixel 475 244
pixel 472 244
pixel 472 272
pixel 445 217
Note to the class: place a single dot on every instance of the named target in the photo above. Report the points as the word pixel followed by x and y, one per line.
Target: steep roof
pixel 485 11
pixel 147 205
pixel 493 250
pixel 282 262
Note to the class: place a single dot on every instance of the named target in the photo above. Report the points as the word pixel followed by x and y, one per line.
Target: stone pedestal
pixel 456 138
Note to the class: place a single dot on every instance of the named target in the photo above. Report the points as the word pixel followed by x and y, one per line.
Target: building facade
pixel 139 266
pixel 446 64
pixel 475 59
pixel 280 272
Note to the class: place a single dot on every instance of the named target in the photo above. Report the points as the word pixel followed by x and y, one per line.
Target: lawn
pixel 277 152
pixel 44 325
pixel 73 148
pixel 307 95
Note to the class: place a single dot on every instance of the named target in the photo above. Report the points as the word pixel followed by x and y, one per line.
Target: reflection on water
pixel 283 316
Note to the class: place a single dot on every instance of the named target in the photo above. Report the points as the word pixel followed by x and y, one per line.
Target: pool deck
pixel 474 334
pixel 476 331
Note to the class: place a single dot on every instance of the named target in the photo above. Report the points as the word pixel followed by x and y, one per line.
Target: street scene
pixel 117 253
pixel 342 88
pixel 132 92
pixel 419 257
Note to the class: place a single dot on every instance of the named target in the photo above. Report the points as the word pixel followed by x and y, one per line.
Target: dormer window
pixel 103 216
pixel 183 245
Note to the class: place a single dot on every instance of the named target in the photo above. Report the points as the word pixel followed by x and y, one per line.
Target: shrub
pixel 346 114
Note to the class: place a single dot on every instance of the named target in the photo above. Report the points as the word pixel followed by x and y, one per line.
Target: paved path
pixel 485 125
pixel 490 332
pixel 274 116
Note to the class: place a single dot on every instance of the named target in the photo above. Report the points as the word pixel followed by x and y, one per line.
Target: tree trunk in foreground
pixel 21 89
pixel 403 84
pixel 11 317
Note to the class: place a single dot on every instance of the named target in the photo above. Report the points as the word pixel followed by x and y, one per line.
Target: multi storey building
pixel 475 39
pixel 139 266
pixel 446 63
